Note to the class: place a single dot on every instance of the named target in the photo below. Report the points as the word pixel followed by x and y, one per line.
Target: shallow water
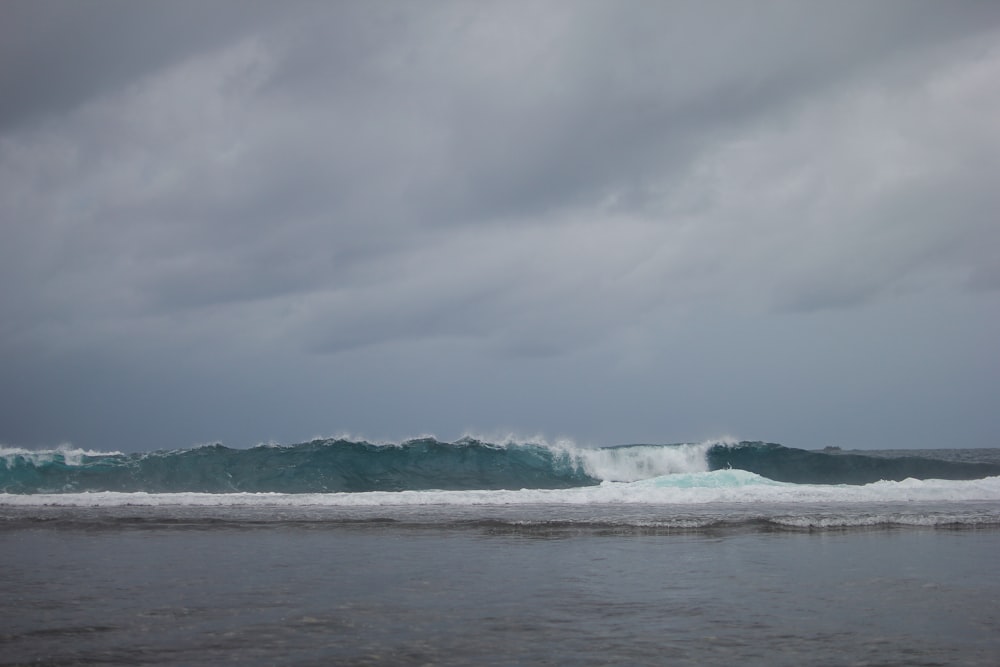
pixel 149 587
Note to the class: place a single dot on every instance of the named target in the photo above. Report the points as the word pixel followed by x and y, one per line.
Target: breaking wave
pixel 425 464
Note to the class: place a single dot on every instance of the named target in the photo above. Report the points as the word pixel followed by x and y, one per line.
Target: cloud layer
pixel 292 213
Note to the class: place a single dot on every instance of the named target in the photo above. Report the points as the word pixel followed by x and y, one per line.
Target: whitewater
pixel 729 486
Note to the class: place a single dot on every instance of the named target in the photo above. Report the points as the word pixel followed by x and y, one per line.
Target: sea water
pixel 654 555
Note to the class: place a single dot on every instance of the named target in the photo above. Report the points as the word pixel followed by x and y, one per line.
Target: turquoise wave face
pixel 314 467
pixel 325 466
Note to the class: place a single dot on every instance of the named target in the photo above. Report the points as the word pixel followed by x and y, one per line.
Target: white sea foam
pixel 629 464
pixel 72 456
pixel 721 486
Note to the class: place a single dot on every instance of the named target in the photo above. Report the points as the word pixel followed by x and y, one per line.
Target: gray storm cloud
pixel 303 212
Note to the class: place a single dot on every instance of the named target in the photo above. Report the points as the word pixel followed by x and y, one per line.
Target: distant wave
pixel 425 464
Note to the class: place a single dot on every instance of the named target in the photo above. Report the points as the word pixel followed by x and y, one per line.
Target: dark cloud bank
pixel 611 222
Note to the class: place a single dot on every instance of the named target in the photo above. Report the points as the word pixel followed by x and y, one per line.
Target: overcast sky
pixel 606 221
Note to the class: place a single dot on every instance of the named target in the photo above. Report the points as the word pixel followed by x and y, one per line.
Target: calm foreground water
pixel 254 586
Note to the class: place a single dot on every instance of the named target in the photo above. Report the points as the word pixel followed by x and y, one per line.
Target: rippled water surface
pixel 200 588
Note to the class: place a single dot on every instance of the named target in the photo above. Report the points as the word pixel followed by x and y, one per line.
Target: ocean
pixel 338 552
